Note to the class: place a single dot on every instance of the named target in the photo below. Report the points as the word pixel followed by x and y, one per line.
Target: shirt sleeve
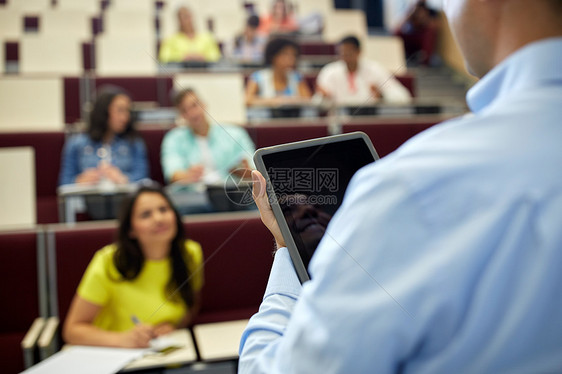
pixel 171 157
pixel 358 313
pixel 95 284
pixel 392 90
pixel 166 50
pixel 69 162
pixel 323 79
pixel 248 147
pixel 212 51
pixel 265 329
pixel 140 168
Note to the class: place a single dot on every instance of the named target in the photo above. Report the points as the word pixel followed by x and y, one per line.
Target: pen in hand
pixel 142 334
pixel 135 320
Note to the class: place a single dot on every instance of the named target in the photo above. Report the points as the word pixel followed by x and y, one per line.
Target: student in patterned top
pixel 280 83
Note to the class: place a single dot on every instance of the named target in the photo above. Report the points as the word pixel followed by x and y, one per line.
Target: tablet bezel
pixel 298 264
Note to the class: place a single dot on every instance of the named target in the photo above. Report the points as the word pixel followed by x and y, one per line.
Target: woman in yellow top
pixel 188 44
pixel 145 285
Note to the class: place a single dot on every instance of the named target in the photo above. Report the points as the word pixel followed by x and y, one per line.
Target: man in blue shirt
pixel 445 256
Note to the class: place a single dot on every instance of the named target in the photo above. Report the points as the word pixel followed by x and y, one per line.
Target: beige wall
pixel 17 190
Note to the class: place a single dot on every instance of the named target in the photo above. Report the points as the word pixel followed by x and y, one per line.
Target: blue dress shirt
pixel 446 256
pixel 81 152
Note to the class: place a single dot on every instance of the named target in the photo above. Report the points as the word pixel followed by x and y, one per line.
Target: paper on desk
pixel 166 341
pixel 86 360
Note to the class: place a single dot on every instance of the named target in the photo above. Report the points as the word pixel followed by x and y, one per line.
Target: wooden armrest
pixel 48 341
pixel 29 342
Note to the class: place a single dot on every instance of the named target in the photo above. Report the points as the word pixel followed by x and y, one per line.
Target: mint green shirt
pixel 229 145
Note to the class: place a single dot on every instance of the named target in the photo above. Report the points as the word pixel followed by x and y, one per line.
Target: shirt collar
pixel 531 65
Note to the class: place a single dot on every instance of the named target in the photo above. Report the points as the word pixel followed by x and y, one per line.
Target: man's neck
pixel 279 75
pixel 190 32
pixel 521 31
pixel 202 129
pixel 352 68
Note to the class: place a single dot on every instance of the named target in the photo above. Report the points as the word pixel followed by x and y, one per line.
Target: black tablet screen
pixel 310 184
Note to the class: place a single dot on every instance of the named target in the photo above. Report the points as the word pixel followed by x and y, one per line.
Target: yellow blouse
pixel 145 297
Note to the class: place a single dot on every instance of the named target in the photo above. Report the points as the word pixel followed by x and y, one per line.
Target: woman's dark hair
pixel 99 116
pixel 129 259
pixel 274 46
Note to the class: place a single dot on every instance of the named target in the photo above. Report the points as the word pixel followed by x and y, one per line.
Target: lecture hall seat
pixel 20 252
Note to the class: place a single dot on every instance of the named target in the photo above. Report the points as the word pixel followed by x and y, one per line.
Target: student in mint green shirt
pixel 204 152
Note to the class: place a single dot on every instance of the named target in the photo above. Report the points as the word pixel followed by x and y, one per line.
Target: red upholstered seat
pixel 238 258
pixel 19 294
pixel 74 248
pixel 153 140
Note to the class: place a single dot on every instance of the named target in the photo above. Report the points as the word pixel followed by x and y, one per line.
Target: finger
pixel 258 186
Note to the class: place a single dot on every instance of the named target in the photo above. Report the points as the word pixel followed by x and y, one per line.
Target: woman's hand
pixel 113 173
pixel 262 201
pixel 138 337
pixel 163 329
pixel 191 175
pixel 89 176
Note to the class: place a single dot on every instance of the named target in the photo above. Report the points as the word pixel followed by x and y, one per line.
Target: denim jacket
pixel 81 152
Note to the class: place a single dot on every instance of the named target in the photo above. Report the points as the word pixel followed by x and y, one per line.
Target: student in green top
pixel 203 151
pixel 188 44
pixel 144 285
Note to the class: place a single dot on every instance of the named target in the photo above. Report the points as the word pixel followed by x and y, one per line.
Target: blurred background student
pixel 188 44
pixel 419 31
pixel 353 80
pixel 144 285
pixel 203 151
pixel 280 20
pixel 279 83
pixel 248 46
pixel 110 150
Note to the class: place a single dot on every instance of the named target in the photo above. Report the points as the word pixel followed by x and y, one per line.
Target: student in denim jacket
pixel 109 150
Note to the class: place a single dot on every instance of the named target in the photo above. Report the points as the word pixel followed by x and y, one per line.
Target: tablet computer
pixel 306 183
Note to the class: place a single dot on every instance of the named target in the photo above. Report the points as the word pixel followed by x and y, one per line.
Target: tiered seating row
pixel 237 251
pixel 386 136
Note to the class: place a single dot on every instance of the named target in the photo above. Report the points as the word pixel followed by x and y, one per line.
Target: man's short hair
pixel 253 21
pixel 351 39
pixel 180 95
pixel 274 46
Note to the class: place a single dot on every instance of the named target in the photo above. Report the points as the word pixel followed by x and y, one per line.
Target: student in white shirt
pixel 352 80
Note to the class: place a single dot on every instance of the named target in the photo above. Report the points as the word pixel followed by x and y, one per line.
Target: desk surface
pixel 219 341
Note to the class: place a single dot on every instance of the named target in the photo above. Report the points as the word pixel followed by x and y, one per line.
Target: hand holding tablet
pixel 300 186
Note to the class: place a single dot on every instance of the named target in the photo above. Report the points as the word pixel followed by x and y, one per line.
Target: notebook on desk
pixel 176 348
